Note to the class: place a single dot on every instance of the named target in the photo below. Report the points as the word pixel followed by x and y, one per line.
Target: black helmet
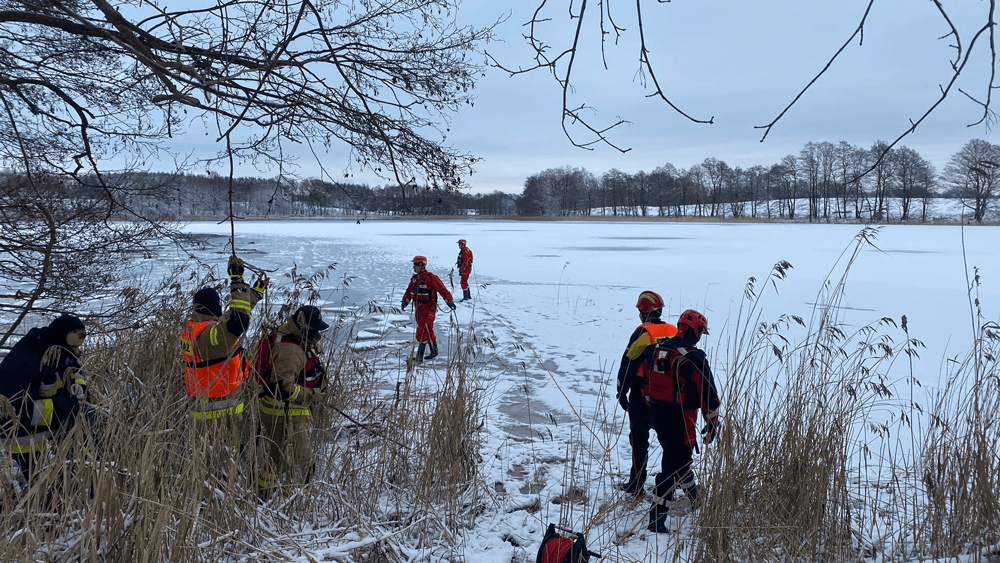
pixel 313 318
pixel 208 302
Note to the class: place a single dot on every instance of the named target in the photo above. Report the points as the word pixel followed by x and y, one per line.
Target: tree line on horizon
pixel 823 182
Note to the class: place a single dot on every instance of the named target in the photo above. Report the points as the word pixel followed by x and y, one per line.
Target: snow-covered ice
pixel 557 300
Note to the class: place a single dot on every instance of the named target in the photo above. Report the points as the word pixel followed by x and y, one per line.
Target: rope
pixel 232 216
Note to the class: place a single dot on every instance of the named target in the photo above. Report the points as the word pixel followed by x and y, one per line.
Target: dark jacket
pixel 22 376
pixel 632 359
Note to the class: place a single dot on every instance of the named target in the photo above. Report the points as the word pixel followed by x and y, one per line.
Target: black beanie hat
pixel 208 302
pixel 63 325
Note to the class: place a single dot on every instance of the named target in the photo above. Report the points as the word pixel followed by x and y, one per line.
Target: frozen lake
pixel 569 288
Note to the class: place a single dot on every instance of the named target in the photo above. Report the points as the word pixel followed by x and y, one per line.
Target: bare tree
pixel 974 172
pixel 715 173
pixel 91 87
pixel 58 245
pixel 912 175
pixel 84 80
pixel 882 177
pixel 926 187
pixel 790 184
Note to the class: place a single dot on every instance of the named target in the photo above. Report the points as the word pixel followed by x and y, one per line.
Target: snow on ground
pixel 557 299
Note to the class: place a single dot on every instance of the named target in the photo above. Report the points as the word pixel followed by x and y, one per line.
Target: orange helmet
pixel 422 260
pixel 649 301
pixel 461 242
pixel 694 320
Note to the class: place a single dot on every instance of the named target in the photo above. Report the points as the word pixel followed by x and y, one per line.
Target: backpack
pixel 666 383
pixel 311 376
pixel 557 548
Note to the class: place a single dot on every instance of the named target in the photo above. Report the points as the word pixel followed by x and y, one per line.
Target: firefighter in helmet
pixel 464 264
pixel 631 380
pixel 42 388
pixel 423 289
pixel 214 367
pixel 679 385
pixel 291 374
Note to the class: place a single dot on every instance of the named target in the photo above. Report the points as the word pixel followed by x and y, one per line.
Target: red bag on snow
pixel 557 548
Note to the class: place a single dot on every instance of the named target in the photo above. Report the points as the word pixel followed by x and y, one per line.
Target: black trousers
pixel 675 466
pixel 640 422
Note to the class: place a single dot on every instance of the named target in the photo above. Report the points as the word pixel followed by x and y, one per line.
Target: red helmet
pixel 694 320
pixel 461 242
pixel 649 301
pixel 422 260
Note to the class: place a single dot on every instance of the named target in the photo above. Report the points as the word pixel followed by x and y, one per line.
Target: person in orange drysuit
pixel 423 289
pixel 464 268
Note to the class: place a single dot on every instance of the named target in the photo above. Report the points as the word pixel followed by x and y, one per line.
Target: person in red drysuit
pixel 464 268
pixel 423 290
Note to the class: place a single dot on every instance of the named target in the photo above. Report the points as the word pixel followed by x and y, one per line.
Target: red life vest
pixel 212 379
pixel 311 375
pixel 667 384
pixel 424 293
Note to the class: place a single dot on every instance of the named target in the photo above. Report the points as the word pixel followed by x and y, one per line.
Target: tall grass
pixel 396 472
pixel 831 450
pixel 823 456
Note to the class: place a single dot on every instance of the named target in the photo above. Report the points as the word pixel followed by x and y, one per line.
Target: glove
pixel 710 431
pixel 79 391
pixel 452 306
pixel 235 269
pixel 623 401
pixel 404 304
pixel 261 283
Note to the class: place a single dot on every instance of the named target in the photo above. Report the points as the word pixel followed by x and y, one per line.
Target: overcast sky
pixel 741 62
pixel 737 61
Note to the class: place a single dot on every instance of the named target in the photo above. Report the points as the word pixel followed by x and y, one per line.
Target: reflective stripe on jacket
pixel 213 378
pixel 25 444
pixel 274 407
pixel 209 409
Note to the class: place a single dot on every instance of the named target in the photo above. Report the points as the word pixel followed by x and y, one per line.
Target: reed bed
pixel 832 450
pixel 396 473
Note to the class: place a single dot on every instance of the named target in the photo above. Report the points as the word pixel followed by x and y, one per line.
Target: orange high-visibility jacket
pixel 212 378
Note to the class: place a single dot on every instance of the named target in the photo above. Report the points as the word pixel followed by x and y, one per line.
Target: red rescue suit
pixel 423 291
pixel 464 266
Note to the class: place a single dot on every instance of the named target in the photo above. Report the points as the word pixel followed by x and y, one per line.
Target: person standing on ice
pixel 214 367
pixel 632 378
pixel 42 389
pixel 291 374
pixel 423 289
pixel 464 264
pixel 679 384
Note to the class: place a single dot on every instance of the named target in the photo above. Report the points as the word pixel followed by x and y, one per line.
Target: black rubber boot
pixel 658 518
pixel 434 351
pixel 466 294
pixel 420 352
